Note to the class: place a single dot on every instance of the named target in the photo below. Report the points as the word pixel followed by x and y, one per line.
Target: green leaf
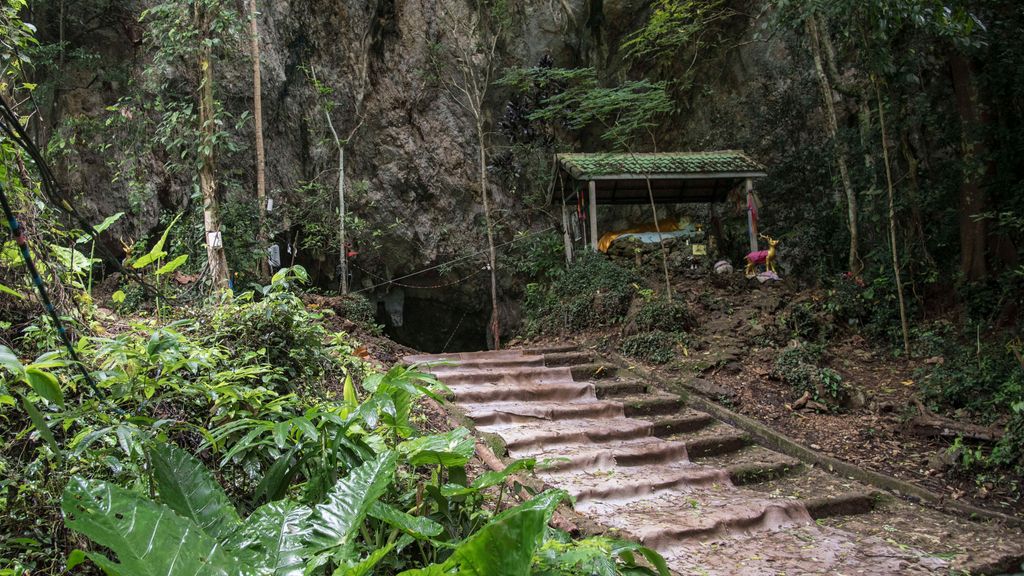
pixel 148 259
pixel 172 265
pixel 419 527
pixel 624 550
pixel 453 448
pixel 149 539
pixel 488 479
pixel 188 488
pixel 118 297
pixel 505 546
pixel 364 567
pixel 40 425
pixel 349 393
pixel 157 252
pixel 45 384
pixel 159 342
pixel 9 360
pixel 274 534
pixel 336 521
pixel 101 227
pixel 11 292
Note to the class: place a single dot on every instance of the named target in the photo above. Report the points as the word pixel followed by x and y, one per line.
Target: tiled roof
pixel 586 166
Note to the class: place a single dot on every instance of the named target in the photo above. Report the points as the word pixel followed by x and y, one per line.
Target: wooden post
pixel 566 236
pixel 751 223
pixel 593 214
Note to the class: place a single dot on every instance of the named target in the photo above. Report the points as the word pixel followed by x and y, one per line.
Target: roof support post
pixel 751 219
pixel 593 214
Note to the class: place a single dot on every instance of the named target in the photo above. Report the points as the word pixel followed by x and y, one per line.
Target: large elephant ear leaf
pixel 149 539
pixel 506 545
pixel 275 534
pixel 452 448
pixel 336 521
pixel 188 488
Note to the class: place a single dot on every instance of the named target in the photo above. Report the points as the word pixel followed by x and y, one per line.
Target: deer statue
pixel 766 257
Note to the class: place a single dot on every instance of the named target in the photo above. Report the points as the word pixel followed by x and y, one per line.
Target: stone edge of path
pixel 777 441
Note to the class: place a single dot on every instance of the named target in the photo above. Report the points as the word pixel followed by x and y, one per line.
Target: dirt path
pixel 640 462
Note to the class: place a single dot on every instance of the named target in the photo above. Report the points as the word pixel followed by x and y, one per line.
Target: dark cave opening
pixel 434 326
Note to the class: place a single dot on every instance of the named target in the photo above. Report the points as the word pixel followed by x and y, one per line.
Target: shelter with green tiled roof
pixel 588 180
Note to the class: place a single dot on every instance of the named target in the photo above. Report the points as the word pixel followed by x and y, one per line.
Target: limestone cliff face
pixel 411 164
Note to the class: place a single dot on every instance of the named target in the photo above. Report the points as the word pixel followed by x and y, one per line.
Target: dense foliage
pixel 215 432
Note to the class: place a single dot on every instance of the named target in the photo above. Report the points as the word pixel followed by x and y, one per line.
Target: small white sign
pixel 270 204
pixel 214 239
pixel 274 256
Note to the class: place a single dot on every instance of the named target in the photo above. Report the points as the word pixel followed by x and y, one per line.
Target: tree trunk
pixel 661 241
pixel 495 325
pixel 832 127
pixel 892 219
pixel 973 200
pixel 341 210
pixel 211 212
pixel 257 113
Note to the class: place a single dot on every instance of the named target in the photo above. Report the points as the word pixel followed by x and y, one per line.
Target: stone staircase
pixel 639 461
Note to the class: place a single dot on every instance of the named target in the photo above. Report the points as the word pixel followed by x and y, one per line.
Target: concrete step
pixel 801 549
pixel 490 413
pixel 549 392
pixel 666 520
pixel 550 349
pixel 753 464
pixel 488 366
pixel 682 422
pixel 594 371
pixel 571 358
pixel 712 440
pixel 486 356
pixel 636 482
pixel 618 388
pixel 523 441
pixel 508 376
pixel 607 455
pixel 655 403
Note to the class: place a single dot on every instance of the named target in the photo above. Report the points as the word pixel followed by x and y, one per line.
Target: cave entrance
pixel 434 325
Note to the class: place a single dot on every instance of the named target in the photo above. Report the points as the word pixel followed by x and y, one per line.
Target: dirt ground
pixel 736 357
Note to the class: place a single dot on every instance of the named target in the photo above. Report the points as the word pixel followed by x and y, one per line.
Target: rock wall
pixel 415 149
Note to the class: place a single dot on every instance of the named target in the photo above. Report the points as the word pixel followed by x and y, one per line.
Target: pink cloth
pixel 759 257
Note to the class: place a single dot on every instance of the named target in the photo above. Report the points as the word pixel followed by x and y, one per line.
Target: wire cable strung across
pixel 450 262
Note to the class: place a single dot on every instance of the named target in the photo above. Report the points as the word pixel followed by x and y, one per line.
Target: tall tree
pixel 973 199
pixel 184 36
pixel 814 34
pixel 215 256
pixel 466 69
pixel 257 114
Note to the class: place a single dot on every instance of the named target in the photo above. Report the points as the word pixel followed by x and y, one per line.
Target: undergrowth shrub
pixel 275 324
pixel 657 313
pixel 592 292
pixel 654 346
pixel 800 368
pixel 357 308
pixel 984 379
